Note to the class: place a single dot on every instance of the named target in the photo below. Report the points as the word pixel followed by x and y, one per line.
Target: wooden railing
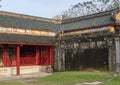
pixel 28 61
pixel 43 61
pixel 24 61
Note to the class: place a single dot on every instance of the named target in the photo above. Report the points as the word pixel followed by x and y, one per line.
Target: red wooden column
pixel 6 61
pixel 51 56
pixel 18 60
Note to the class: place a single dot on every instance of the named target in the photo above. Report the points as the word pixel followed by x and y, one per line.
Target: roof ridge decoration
pixel 30 17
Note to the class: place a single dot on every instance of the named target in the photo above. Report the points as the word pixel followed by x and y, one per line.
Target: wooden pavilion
pixel 26 43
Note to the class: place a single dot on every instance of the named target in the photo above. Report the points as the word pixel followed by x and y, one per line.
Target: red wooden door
pixel 43 56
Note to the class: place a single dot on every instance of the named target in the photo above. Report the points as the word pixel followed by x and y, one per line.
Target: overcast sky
pixel 42 8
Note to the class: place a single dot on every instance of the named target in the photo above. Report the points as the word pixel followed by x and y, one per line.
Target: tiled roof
pixel 90 21
pixel 26 39
pixel 27 22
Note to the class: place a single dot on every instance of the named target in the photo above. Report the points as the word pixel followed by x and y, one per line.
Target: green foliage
pixel 89 7
pixel 70 78
pixel 115 81
pixel 66 78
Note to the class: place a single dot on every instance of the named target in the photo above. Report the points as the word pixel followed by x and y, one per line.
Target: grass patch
pixel 115 81
pixel 14 83
pixel 70 78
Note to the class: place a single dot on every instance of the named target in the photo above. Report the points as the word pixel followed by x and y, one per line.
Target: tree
pixel 89 7
pixel 57 17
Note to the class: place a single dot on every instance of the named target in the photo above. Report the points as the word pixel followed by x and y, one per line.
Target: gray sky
pixel 42 8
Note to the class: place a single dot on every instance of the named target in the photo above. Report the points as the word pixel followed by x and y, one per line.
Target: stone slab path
pixel 23 77
pixel 91 83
